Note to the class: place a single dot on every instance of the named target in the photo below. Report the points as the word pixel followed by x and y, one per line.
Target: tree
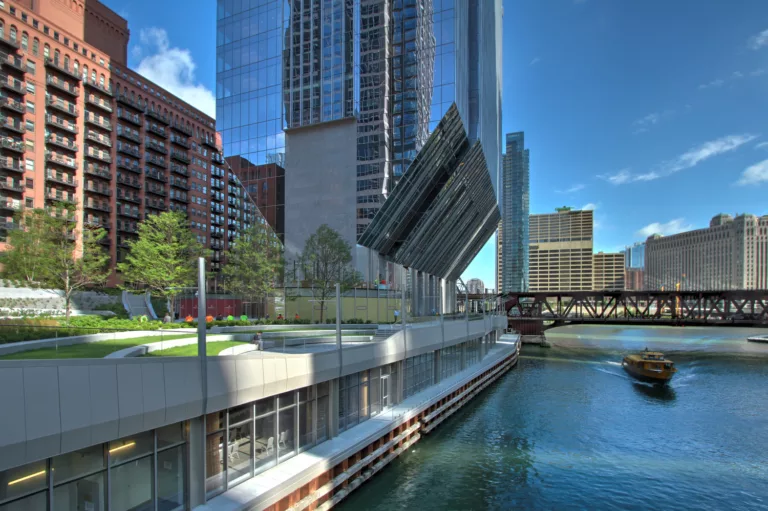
pixel 164 257
pixel 43 251
pixel 254 262
pixel 325 261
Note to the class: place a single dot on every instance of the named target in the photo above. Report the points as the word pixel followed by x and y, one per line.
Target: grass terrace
pixel 98 349
pixel 212 349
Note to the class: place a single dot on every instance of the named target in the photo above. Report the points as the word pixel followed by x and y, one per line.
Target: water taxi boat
pixel 649 366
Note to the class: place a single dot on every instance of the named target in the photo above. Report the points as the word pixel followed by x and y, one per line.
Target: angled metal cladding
pixel 443 210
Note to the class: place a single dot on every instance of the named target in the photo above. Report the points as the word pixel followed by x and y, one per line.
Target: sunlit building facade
pixel 515 206
pixel 561 251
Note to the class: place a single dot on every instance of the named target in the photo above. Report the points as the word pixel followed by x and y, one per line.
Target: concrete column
pixel 196 462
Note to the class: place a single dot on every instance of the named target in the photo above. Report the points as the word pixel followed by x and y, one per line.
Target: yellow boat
pixel 649 366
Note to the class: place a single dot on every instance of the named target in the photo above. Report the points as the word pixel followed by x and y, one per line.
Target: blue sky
pixel 651 112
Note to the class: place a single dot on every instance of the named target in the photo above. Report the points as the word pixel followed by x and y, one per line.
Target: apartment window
pixel 35 46
pixel 29 183
pixel 30 144
pixel 30 126
pixel 31 67
pixel 30 88
pixel 55 35
pixel 30 107
pixel 29 202
pixel 35 24
pixel 30 164
pixel 46 30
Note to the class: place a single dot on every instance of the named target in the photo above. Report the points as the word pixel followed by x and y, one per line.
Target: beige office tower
pixel 608 271
pixel 561 251
pixel 732 253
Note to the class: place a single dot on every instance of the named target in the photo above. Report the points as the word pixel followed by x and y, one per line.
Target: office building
pixel 634 256
pixel 730 254
pixel 265 185
pixel 633 279
pixel 561 251
pixel 80 128
pixel 475 286
pixel 608 271
pixel 345 95
pixel 515 204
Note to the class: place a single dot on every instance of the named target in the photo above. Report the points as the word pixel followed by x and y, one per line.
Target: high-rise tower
pixel 515 202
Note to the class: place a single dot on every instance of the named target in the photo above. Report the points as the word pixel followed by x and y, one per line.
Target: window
pixel 35 46
pixel 30 126
pixel 31 68
pixel 24 41
pixel 29 183
pixel 47 51
pixel 29 202
pixel 30 107
pixel 30 164
pixel 30 88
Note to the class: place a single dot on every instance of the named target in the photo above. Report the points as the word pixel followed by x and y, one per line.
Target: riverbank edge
pixel 322 477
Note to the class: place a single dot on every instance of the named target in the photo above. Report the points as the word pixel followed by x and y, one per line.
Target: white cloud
pixel 174 69
pixel 737 74
pixel 535 61
pixel 756 174
pixel 761 145
pixel 590 206
pixel 758 41
pixel 672 227
pixel 573 189
pixel 757 72
pixel 687 160
pixel 713 84
pixel 643 124
pixel 705 151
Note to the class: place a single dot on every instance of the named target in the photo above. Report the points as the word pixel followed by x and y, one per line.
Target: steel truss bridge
pixel 742 308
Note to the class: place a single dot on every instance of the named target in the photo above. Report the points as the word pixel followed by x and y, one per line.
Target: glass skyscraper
pixel 377 75
pixel 515 205
pixel 634 256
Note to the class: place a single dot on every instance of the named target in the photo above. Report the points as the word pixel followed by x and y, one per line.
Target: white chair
pixel 271 444
pixel 234 452
pixel 281 442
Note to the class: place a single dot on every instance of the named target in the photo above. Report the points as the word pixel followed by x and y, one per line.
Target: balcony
pixel 151 158
pixel 57 196
pixel 11 185
pixel 61 160
pixel 210 142
pixel 134 198
pixel 126 100
pixel 128 181
pixel 157 191
pixel 97 169
pixel 155 204
pixel 179 156
pixel 217 196
pixel 91 186
pixel 126 227
pixel 216 184
pixel 95 222
pixel 62 106
pixel 183 142
pixel 180 198
pixel 15 85
pixel 182 129
pixel 127 116
pixel 13 205
pixel 179 184
pixel 11 124
pixel 179 169
pixel 101 122
pixel 232 213
pixel 157 116
pixel 65 143
pixel 155 174
pixel 60 67
pixel 63 85
pixel 12 104
pixel 11 165
pixel 12 145
pixel 96 137
pixel 157 130
pixel 127 212
pixel 128 149
pixel 60 178
pixel 106 90
pixel 13 61
pixel 217 234
pixel 155 146
pixel 217 221
pixel 13 43
pixel 97 101
pixel 97 205
pixel 52 120
pixel 133 167
pixel 128 134
pixel 99 155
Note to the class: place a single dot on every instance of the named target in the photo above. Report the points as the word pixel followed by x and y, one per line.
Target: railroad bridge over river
pixel 532 313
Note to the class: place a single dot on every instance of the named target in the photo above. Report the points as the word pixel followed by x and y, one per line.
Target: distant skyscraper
pixel 515 204
pixel 561 251
pixel 608 271
pixel 634 256
pixel 475 286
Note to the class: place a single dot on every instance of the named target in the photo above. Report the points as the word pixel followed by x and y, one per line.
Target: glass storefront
pixel 365 394
pixel 419 373
pixel 145 471
pixel 249 439
pixel 450 361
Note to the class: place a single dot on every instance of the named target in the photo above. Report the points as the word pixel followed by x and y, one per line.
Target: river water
pixel 568 429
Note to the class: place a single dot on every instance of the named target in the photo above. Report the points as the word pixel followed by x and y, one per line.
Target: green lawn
pixel 91 350
pixel 212 349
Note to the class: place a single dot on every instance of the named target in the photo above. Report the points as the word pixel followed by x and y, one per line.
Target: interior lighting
pixel 125 446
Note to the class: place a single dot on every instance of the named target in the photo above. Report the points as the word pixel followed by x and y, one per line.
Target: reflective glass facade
pixel 143 471
pixel 515 205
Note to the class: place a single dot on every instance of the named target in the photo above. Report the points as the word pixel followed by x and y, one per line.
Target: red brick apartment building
pixel 78 126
